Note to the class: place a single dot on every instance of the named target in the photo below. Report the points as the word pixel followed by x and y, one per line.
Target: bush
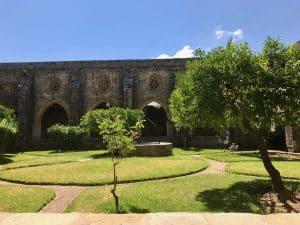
pixel 8 128
pixel 90 121
pixel 69 136
pixel 7 135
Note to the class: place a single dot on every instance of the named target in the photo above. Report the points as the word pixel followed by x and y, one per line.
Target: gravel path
pixel 66 194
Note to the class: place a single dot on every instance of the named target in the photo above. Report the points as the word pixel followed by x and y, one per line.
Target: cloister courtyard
pixel 191 180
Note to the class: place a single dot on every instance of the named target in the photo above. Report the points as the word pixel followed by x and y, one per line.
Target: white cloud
pixel 185 52
pixel 219 33
pixel 235 34
pixel 164 56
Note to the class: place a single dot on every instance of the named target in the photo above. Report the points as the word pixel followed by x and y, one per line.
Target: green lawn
pixel 23 199
pixel 287 169
pixel 34 158
pixel 205 193
pixel 87 170
pixel 227 156
pixel 245 156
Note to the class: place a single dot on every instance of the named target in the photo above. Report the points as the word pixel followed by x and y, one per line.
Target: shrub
pixel 69 136
pixel 90 121
pixel 8 128
pixel 7 135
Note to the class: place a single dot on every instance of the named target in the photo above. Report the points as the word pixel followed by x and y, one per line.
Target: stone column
pixel 24 110
pixel 127 91
pixel 75 96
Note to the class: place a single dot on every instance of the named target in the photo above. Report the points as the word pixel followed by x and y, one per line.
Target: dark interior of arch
pixel 155 122
pixel 103 105
pixel 55 114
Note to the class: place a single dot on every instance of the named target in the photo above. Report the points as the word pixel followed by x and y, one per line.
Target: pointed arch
pixel 49 113
pixel 164 104
pixel 156 120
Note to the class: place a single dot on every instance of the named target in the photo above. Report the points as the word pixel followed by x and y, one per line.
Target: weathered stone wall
pixel 31 88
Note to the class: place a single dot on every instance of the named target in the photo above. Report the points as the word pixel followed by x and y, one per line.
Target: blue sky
pixel 49 30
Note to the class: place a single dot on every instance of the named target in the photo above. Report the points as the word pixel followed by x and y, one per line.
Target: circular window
pixel 154 81
pixel 104 84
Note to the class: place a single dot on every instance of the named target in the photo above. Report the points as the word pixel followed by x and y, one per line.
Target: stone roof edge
pixel 138 63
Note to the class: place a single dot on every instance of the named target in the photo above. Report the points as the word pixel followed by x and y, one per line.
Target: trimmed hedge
pixel 70 136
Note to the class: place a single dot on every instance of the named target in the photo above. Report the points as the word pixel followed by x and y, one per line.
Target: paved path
pixel 148 219
pixel 66 194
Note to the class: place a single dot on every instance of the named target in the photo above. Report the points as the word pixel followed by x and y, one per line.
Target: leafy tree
pixel 90 121
pixel 8 127
pixel 70 136
pixel 119 128
pixel 233 87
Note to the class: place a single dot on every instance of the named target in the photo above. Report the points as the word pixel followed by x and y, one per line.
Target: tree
pixel 90 121
pixel 234 87
pixel 119 128
pixel 8 127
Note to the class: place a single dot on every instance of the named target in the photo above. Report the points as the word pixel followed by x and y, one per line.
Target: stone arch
pixel 156 120
pixel 54 105
pixel 159 101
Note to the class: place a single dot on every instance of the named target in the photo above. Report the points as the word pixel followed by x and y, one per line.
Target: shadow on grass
pixel 101 155
pixel 131 209
pixel 4 159
pixel 274 156
pixel 134 209
pixel 240 197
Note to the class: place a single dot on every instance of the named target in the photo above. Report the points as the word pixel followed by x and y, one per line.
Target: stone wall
pixel 79 86
pixel 32 88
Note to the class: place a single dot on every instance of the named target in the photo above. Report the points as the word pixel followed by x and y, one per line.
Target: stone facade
pixel 42 93
pixel 77 87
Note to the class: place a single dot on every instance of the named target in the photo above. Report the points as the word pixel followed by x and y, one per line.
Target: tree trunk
pixel 274 174
pixel 113 191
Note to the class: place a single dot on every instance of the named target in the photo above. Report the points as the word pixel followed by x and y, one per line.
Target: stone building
pixel 45 93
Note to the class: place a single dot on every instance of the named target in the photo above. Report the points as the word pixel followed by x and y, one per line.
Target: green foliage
pixel 91 119
pixel 8 127
pixel 235 87
pixel 119 127
pixel 70 136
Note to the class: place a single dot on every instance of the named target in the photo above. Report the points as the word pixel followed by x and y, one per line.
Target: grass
pixel 205 193
pixel 23 199
pixel 227 156
pixel 35 158
pixel 287 169
pixel 99 171
pixel 246 156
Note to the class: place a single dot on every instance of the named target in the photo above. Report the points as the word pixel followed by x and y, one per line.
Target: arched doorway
pixel 156 119
pixel 55 114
